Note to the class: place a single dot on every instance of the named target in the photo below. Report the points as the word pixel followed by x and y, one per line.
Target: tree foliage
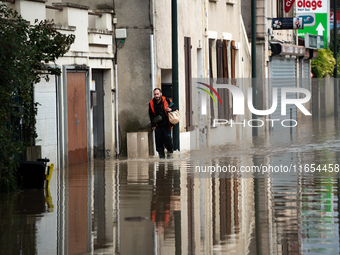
pixel 324 65
pixel 27 54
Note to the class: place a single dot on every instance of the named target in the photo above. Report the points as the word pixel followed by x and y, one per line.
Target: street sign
pixel 287 23
pixel 316 18
pixel 314 41
pixel 331 18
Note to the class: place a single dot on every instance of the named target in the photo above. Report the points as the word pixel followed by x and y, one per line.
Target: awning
pixel 287 49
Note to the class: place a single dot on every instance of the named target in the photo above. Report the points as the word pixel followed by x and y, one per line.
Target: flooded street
pixel 167 207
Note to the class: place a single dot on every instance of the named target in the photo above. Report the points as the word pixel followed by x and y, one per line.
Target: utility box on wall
pixel 121 33
pixel 137 145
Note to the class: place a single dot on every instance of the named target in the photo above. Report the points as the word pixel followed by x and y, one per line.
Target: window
pixel 223 67
pixel 232 2
pixel 280 7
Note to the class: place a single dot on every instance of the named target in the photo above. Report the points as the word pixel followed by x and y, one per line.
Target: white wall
pixel 45 94
pixel 30 10
pixel 73 19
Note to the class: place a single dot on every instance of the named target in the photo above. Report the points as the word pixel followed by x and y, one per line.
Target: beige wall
pixel 201 21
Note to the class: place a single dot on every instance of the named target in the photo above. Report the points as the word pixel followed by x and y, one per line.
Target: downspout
pixel 174 39
pixel 117 119
pixel 253 61
pixel 153 85
pixel 254 129
pixel 116 85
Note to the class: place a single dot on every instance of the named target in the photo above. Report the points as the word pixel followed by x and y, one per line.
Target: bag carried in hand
pixel 174 117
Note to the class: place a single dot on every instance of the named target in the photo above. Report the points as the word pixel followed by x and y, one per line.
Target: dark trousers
pixel 163 138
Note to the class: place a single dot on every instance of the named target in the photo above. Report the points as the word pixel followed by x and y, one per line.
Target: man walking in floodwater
pixel 159 107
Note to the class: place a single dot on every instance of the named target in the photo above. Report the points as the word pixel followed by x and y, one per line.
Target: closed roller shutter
pixel 282 74
pixel 306 78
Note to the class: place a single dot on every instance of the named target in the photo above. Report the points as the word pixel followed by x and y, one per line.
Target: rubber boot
pixel 161 154
pixel 169 153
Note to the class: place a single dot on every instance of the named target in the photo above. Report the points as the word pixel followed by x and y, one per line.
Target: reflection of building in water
pixel 160 208
pixel 282 204
pixel 303 215
pixel 318 218
pixel 87 209
pixel 149 207
pixel 77 223
pixel 73 212
pixel 303 208
pixel 104 210
pixel 18 221
pixel 286 199
pixel 217 214
pixel 136 230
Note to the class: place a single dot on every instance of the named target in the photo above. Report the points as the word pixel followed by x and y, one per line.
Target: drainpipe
pixel 253 61
pixel 254 129
pixel 117 120
pixel 174 31
pixel 152 85
pixel 116 81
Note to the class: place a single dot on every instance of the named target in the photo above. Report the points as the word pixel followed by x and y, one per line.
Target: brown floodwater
pixel 149 206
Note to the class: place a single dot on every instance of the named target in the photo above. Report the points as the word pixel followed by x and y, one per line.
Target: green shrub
pixel 25 54
pixel 324 65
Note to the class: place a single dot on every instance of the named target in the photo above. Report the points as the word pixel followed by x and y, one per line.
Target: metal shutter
pixel 306 77
pixel 282 74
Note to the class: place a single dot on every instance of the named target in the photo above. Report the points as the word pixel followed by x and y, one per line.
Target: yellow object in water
pixel 47 189
pixel 49 175
pixel 50 205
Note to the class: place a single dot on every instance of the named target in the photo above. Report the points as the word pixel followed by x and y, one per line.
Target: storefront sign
pixel 288 5
pixel 287 23
pixel 314 41
pixel 308 19
pixel 316 17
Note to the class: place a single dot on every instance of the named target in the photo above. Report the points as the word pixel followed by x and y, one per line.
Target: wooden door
pixel 76 117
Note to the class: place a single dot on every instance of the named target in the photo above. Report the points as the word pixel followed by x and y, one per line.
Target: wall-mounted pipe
pixel 117 123
pixel 152 85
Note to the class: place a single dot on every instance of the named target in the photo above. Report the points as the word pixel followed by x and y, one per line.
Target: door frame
pixel 63 123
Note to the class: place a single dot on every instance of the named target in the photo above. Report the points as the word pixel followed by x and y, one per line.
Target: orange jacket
pixel 166 105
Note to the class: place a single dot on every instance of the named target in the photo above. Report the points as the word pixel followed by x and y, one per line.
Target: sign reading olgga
pixel 239 102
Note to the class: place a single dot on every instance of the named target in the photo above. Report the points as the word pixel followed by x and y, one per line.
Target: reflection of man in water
pixel 160 205
pixel 159 107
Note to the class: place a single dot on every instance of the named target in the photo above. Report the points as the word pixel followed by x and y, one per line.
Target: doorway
pixel 98 115
pixel 76 118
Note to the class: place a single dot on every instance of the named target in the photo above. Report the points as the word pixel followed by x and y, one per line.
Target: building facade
pixel 74 121
pixel 121 52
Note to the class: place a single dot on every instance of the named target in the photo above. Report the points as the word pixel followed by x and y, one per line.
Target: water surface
pixel 163 207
